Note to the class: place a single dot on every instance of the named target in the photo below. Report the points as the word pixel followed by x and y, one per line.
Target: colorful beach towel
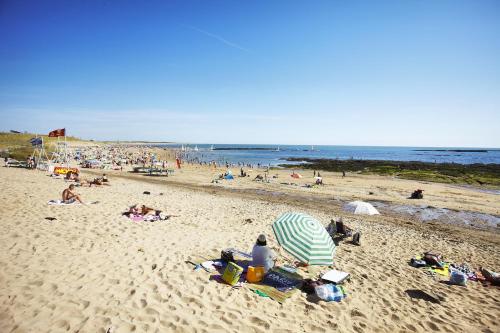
pixel 444 271
pixel 282 279
pixel 330 292
pixel 146 218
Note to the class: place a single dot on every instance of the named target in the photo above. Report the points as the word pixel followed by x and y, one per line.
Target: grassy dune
pixel 18 146
pixel 487 175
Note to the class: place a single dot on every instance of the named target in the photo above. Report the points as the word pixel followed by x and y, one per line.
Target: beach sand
pixel 92 269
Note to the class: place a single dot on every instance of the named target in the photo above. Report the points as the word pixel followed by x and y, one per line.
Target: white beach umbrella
pixel 360 207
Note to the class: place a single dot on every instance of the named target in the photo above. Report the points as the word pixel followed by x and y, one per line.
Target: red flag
pixel 57 132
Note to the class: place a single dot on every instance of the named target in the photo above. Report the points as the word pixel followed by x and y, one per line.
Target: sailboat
pixel 312 148
pixel 278 149
pixel 196 148
pixel 212 147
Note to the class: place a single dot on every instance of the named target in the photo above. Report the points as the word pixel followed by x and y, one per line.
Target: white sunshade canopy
pixel 360 207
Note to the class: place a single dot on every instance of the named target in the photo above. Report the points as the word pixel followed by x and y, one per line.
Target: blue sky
pixel 417 73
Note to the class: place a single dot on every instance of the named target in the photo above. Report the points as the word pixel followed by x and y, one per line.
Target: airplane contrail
pixel 219 38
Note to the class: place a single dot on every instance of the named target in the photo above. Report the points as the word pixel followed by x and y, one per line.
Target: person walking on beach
pixel 68 196
pixel 343 173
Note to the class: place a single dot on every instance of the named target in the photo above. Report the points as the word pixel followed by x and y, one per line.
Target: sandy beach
pixel 249 167
pixel 94 270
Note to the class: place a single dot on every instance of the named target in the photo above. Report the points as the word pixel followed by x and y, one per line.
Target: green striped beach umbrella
pixel 305 238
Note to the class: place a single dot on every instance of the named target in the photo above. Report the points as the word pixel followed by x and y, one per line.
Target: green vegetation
pixel 18 146
pixel 471 174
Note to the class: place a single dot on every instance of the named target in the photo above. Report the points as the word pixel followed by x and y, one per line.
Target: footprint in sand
pixel 114 281
pixel 314 328
pixel 143 303
pixel 357 313
pixel 37 283
pixel 62 324
pixel 259 322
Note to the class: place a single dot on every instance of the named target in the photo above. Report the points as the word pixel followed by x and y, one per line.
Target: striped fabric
pixel 305 238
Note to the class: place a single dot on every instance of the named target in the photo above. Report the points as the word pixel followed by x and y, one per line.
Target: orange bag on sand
pixel 255 274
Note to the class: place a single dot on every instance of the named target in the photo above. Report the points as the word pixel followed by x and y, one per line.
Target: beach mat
pixel 272 292
pixel 444 271
pixel 61 203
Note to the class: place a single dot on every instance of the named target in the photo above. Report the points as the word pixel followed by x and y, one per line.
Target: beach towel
pixel 69 202
pixel 330 292
pixel 146 218
pixel 270 292
pixel 282 280
pixel 444 271
pixel 63 203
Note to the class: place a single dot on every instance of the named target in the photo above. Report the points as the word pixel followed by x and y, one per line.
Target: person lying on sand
pixel 72 176
pixel 143 210
pixel 68 196
pixel 259 177
pixel 100 181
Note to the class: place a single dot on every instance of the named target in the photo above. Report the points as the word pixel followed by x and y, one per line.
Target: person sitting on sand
pixel 262 255
pixel 68 196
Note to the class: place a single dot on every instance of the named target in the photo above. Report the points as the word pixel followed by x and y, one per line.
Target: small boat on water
pixel 212 147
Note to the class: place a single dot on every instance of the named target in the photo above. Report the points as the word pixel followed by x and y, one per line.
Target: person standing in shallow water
pixel 262 255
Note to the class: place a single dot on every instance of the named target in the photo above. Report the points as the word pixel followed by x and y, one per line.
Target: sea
pixel 274 155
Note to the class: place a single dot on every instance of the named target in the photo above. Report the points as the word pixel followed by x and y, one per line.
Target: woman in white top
pixel 263 255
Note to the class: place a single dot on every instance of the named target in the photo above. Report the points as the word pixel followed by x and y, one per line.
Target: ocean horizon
pixel 272 154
